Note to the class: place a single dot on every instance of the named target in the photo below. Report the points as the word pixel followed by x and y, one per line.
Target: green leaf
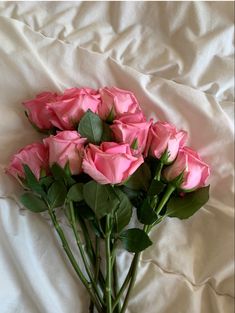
pixel 96 228
pixel 123 213
pixel 165 157
pixel 57 171
pixel 76 192
pixel 111 115
pixel 32 182
pixel 156 187
pixel 145 213
pixel 91 127
pixel 46 182
pixel 57 194
pixel 140 179
pixel 135 196
pixel 131 193
pixel 33 203
pixel 107 133
pixel 101 198
pixel 60 174
pixel 134 144
pixel 135 240
pixel 67 169
pixel 186 206
pixel 84 211
pixel 43 173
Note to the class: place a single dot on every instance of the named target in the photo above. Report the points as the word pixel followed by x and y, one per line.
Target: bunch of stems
pixel 105 293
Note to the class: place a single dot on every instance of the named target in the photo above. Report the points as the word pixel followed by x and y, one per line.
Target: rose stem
pixel 170 188
pixel 91 307
pixel 165 198
pixel 125 283
pixel 84 258
pixel 98 258
pixel 158 171
pixel 133 275
pixel 115 275
pixel 89 246
pixel 108 282
pixel 90 249
pixel 72 259
pixel 135 260
pixel 96 267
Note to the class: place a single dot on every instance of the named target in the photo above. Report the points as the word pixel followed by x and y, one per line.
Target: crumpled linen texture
pixel 178 61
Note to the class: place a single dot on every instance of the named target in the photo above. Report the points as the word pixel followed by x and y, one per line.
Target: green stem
pixel 72 259
pixel 96 267
pixel 108 282
pixel 98 258
pixel 134 266
pixel 90 249
pixel 91 307
pixel 91 253
pixel 115 277
pixel 113 254
pixel 149 227
pixel 158 171
pixel 125 283
pixel 132 281
pixel 83 255
pixel 89 246
pixel 115 283
pixel 170 188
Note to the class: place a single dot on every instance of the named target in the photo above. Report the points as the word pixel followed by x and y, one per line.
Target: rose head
pixel 71 106
pixel 117 101
pixel 132 128
pixel 195 171
pixel 34 155
pixel 110 163
pixel 165 139
pixel 38 111
pixel 66 146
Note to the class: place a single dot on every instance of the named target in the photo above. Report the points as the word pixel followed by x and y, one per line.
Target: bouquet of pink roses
pixel 100 160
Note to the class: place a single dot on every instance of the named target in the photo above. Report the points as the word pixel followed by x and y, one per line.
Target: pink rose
pixel 38 112
pixel 165 138
pixel 110 163
pixel 71 106
pixel 132 129
pixel 66 146
pixel 117 101
pixel 195 171
pixel 34 155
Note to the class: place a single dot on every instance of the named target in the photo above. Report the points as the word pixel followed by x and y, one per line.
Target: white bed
pixel 178 59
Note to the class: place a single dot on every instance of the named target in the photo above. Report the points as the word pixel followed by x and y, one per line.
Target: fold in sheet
pixel 188 42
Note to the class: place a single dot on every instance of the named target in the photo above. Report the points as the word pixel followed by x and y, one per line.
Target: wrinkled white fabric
pixel 178 60
pixel 165 39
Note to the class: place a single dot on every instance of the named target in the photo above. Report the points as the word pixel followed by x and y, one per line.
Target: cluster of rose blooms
pixel 111 162
pixel 105 136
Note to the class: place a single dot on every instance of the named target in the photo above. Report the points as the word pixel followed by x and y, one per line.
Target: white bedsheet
pixel 178 59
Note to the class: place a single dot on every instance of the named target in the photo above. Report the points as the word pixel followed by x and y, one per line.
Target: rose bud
pixel 71 106
pixel 34 155
pixel 66 147
pixel 110 163
pixel 193 170
pixel 132 128
pixel 164 141
pixel 115 102
pixel 38 112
